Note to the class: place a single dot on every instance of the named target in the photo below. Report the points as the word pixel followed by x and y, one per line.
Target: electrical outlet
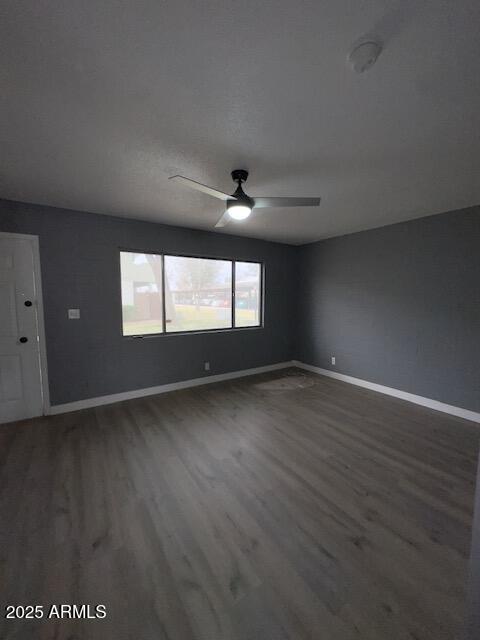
pixel 333 359
pixel 74 314
pixel 207 366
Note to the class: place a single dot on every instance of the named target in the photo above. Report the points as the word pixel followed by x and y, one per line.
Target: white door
pixel 20 371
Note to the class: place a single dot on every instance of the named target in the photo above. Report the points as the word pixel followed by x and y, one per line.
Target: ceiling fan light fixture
pixel 239 205
pixel 239 211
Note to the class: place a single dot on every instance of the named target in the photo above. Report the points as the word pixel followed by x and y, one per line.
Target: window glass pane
pixel 198 293
pixel 248 283
pixel 141 275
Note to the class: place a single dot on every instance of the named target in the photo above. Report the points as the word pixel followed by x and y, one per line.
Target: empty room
pixel 239 320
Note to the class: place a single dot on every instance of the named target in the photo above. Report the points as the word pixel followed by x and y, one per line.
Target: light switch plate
pixel 74 314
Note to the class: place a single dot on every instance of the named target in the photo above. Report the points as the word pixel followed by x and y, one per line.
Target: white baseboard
pixel 163 388
pixel 195 382
pixel 397 393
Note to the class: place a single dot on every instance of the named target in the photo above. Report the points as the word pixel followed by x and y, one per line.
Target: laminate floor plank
pixel 238 511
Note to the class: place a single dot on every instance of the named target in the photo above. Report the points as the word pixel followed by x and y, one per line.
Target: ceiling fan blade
pixel 225 219
pixel 193 184
pixel 261 203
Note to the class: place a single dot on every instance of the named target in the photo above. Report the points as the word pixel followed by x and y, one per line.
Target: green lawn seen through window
pixel 192 318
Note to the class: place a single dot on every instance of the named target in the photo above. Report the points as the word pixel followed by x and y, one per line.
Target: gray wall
pixel 80 268
pixel 399 306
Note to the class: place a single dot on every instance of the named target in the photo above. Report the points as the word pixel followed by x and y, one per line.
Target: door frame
pixel 37 274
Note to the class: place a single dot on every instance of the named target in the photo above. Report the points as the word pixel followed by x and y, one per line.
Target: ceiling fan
pixel 239 205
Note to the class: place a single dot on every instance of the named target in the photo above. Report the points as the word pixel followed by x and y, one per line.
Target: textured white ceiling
pixel 101 101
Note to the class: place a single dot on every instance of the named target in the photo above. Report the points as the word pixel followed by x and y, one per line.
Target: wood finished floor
pixel 234 512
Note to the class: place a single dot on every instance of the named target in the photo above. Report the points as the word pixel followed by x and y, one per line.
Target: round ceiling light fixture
pixel 364 55
pixel 238 210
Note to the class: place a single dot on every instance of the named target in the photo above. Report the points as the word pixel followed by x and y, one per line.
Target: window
pixel 142 309
pixel 247 294
pixel 198 294
pixel 172 294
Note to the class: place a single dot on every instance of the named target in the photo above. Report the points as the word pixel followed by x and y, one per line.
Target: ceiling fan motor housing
pixel 239 175
pixel 239 197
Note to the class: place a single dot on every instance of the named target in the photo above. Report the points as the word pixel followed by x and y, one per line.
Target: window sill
pixel 191 333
